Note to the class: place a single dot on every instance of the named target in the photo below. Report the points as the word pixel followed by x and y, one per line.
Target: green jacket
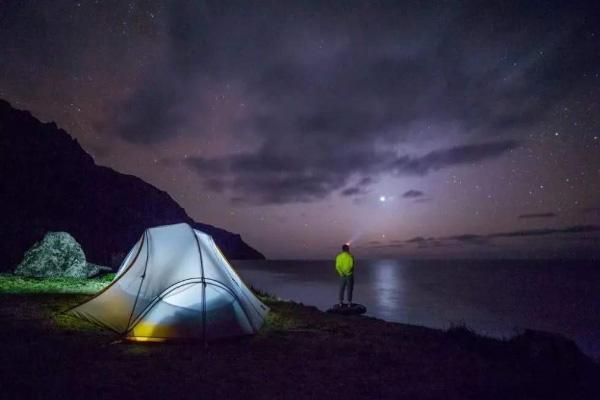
pixel 344 264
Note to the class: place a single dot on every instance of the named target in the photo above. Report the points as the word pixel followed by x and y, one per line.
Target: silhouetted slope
pixel 49 183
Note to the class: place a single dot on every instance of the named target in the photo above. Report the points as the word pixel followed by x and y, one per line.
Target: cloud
pixel 470 239
pixel 457 155
pixel 352 191
pixel 406 65
pixel 411 194
pixel 308 68
pixel 487 239
pixel 418 239
pixel 426 242
pixel 423 242
pixel 538 215
pixel 283 175
pixel 331 101
pixel 365 181
pixel 547 231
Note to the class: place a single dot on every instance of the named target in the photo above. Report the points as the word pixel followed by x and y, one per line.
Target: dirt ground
pixel 301 353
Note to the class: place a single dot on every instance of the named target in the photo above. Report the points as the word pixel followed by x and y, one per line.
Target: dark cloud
pixel 268 179
pixel 538 215
pixel 418 239
pixel 458 155
pixel 475 239
pixel 359 189
pixel 365 181
pixel 333 90
pixel 426 242
pixel 470 239
pixel 352 191
pixel 411 194
pixel 283 175
pixel 423 242
pixel 547 231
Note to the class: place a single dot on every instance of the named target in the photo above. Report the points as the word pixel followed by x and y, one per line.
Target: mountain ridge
pixel 49 183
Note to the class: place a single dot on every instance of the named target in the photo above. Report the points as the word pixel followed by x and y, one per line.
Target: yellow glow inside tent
pixel 150 330
pixel 145 339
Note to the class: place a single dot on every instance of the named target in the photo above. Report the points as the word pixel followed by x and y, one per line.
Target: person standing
pixel 344 265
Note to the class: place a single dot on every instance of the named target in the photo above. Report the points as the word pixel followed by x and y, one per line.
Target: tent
pixel 175 283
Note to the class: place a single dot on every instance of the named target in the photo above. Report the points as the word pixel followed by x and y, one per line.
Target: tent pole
pixel 142 281
pixel 202 277
pixel 204 312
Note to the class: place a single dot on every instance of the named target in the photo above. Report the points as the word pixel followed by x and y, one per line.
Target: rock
pixel 347 309
pixel 95 269
pixel 57 255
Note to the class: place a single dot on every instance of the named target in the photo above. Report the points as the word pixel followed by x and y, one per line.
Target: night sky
pixel 413 129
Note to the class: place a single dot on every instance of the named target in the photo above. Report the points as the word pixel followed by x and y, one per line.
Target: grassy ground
pixel 18 284
pixel 301 353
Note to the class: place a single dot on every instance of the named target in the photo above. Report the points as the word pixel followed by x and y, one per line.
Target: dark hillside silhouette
pixel 49 183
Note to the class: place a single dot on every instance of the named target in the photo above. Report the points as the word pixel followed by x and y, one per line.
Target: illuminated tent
pixel 175 283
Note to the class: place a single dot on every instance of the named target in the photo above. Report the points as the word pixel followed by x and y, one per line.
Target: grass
pixel 263 295
pixel 14 284
pixel 25 285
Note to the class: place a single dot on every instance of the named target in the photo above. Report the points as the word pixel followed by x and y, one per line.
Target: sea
pixel 497 298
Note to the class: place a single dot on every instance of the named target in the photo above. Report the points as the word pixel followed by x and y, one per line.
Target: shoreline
pixel 301 352
pixel 496 300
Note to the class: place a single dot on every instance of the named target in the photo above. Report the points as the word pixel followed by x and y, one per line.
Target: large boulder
pixel 57 255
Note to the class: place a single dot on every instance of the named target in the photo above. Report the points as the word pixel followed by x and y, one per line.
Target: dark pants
pixel 346 282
